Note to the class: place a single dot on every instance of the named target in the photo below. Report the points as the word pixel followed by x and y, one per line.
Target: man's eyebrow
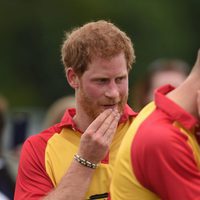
pixel 100 77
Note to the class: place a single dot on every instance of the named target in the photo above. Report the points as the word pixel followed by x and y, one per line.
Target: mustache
pixel 111 102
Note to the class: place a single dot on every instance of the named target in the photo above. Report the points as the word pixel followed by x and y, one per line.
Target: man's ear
pixel 72 78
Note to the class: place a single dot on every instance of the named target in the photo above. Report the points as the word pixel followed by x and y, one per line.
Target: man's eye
pixel 102 80
pixel 120 79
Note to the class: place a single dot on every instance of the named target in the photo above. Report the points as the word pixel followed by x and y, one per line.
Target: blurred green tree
pixel 31 72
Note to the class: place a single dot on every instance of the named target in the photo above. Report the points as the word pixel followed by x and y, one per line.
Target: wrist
pixel 85 162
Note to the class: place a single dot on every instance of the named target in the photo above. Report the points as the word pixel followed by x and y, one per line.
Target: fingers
pixel 109 123
pixel 96 140
pixel 94 126
pixel 109 133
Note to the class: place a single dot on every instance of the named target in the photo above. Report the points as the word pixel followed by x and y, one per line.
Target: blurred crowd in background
pixel 15 127
pixel 33 91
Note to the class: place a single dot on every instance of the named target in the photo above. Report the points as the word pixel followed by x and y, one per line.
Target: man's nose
pixel 112 91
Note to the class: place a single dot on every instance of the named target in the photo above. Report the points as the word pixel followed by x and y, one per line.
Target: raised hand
pixel 96 140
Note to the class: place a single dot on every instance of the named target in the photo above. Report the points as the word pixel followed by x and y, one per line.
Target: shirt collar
pixel 172 109
pixel 67 119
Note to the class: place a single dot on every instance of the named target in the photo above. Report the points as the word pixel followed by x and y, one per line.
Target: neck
pixel 186 96
pixel 82 120
pixel 79 123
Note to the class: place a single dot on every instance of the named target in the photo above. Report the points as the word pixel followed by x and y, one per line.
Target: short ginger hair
pixel 95 39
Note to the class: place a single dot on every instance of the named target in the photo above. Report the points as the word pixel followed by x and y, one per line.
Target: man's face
pixel 104 85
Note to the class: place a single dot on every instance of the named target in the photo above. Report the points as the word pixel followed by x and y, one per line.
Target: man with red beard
pixel 75 158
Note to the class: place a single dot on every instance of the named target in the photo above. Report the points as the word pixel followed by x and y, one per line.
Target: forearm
pixel 74 184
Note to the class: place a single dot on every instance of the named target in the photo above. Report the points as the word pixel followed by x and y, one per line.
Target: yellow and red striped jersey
pixel 159 157
pixel 45 158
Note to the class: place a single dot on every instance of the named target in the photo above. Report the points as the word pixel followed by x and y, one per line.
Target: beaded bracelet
pixel 84 162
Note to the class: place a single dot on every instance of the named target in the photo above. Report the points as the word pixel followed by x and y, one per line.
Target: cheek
pixel 124 89
pixel 94 92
